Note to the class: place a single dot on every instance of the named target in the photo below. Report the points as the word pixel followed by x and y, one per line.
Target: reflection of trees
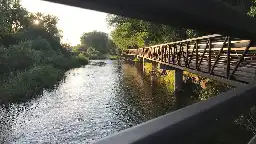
pixel 150 101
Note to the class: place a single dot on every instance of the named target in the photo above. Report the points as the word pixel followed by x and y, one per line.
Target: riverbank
pixel 27 68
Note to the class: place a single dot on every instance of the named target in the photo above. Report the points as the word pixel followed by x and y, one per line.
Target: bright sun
pixel 36 22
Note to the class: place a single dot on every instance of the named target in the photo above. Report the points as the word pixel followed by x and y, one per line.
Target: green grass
pixel 114 57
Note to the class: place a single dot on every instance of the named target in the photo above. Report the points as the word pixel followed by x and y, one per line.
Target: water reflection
pixel 92 102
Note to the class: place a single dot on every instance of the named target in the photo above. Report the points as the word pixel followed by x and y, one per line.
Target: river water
pixel 91 103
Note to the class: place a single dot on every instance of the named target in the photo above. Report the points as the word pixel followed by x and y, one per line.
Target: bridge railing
pixel 223 56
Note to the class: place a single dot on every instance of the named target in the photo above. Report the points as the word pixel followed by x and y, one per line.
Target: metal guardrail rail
pixel 192 124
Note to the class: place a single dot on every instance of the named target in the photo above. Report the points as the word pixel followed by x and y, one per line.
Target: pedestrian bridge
pixel 227 59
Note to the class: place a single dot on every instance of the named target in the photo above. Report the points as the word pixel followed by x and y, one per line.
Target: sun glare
pixel 36 22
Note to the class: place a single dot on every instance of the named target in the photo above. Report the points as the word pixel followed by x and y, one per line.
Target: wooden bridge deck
pixel 226 57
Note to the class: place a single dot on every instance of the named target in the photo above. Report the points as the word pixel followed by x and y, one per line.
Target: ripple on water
pixel 92 102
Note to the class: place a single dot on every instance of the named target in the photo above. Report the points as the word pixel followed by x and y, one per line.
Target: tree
pixel 46 22
pixel 252 11
pixel 13 17
pixel 133 33
pixel 96 40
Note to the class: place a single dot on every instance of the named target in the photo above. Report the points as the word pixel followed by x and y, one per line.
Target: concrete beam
pixel 213 16
pixel 178 79
pixel 164 66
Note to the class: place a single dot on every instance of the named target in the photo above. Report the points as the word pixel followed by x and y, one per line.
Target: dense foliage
pixel 31 55
pixel 96 45
pixel 133 33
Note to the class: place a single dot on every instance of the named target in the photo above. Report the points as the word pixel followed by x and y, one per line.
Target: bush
pixel 23 75
pixel 55 59
pixel 41 44
pixel 33 33
pixel 82 59
pixel 18 57
pixel 4 67
pixel 60 62
pixel 28 83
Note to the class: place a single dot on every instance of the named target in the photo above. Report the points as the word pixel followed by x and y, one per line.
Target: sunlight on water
pixel 92 102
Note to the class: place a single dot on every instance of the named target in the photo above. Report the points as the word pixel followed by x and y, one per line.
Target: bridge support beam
pixel 154 69
pixel 166 67
pixel 140 64
pixel 178 79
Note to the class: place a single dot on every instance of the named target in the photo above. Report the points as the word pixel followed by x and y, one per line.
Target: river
pixel 92 102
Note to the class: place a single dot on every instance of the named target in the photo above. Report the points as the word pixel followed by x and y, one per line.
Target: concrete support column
pixel 141 64
pixel 154 66
pixel 178 79
pixel 154 69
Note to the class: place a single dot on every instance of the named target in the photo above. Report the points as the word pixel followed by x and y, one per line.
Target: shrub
pixel 4 67
pixel 28 83
pixel 60 62
pixel 19 57
pixel 82 59
pixel 33 33
pixel 40 44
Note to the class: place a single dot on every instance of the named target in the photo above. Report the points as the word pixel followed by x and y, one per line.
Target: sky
pixel 73 21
